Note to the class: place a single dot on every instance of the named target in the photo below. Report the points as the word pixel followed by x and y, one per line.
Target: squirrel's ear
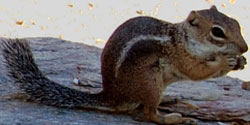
pixel 213 8
pixel 193 18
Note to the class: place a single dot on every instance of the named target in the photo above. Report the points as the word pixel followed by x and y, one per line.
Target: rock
pixel 214 101
pixel 246 85
pixel 220 99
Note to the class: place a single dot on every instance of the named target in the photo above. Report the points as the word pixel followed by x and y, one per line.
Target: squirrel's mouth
pixel 232 49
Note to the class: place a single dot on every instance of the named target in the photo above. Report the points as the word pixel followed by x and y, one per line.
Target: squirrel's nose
pixel 242 45
pixel 244 48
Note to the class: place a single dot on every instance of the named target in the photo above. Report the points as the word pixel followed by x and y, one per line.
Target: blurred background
pixel 93 21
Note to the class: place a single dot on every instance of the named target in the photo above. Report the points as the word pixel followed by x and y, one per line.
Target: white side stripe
pixel 132 42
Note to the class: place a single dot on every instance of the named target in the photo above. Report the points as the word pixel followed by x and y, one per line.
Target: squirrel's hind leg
pixel 148 110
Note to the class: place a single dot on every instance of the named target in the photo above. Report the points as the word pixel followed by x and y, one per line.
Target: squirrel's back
pixel 134 30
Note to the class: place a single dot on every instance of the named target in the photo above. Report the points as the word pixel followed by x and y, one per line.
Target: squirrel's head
pixel 216 28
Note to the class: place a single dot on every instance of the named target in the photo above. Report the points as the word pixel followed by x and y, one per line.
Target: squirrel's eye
pixel 218 32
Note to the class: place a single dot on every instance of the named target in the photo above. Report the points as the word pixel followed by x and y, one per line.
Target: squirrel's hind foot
pixel 148 115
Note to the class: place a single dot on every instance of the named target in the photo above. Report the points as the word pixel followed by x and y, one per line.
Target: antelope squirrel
pixel 141 58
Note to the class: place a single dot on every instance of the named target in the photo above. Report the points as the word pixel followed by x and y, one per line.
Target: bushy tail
pixel 25 73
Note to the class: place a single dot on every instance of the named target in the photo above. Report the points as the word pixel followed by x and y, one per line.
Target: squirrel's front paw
pixel 231 61
pixel 241 62
pixel 236 63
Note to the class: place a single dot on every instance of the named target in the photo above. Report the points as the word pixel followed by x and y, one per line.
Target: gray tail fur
pixel 25 73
